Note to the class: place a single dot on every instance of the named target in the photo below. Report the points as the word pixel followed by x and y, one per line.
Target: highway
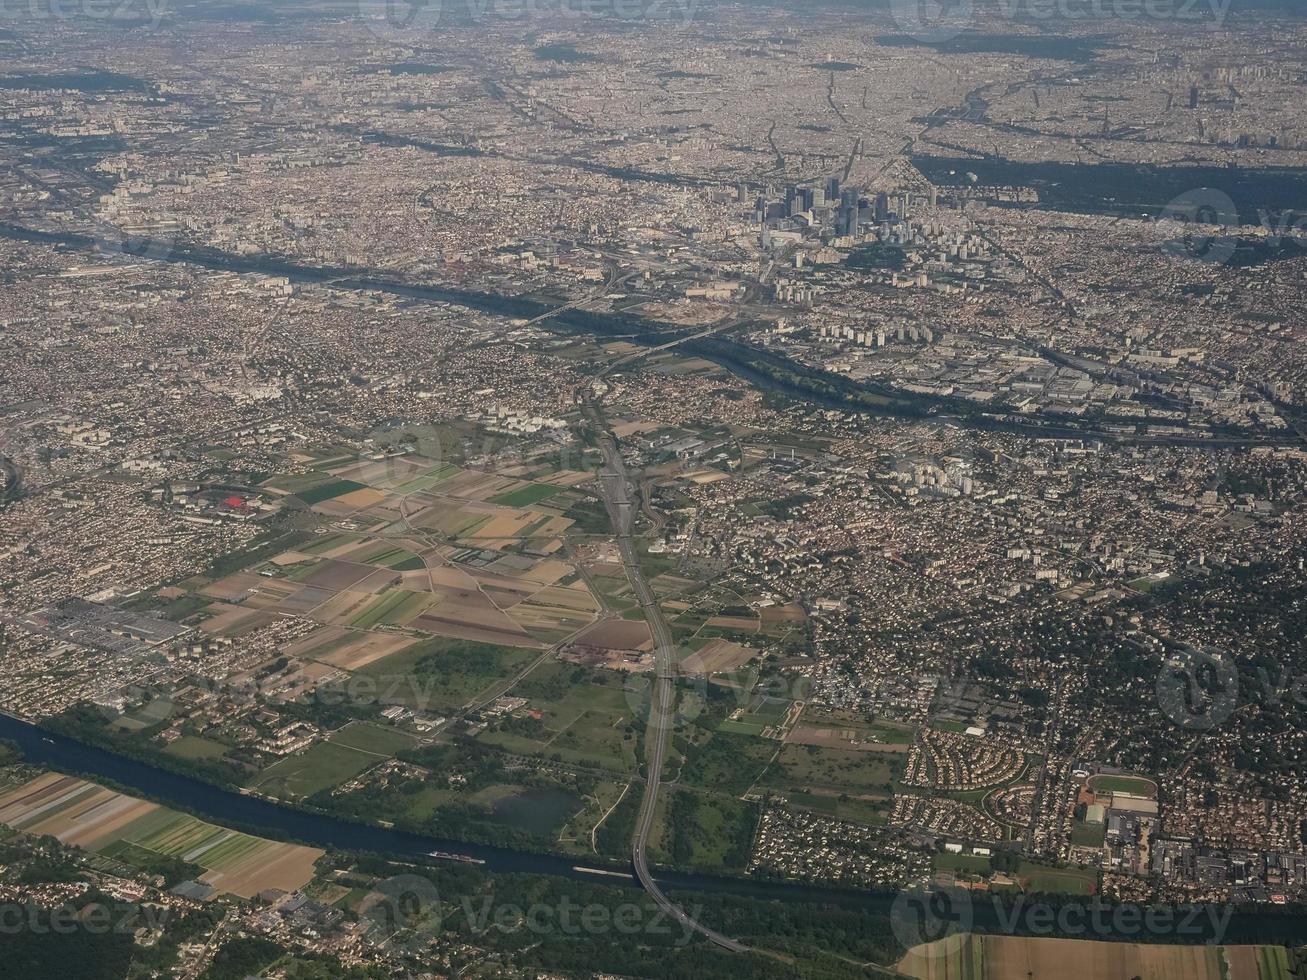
pixel 618 492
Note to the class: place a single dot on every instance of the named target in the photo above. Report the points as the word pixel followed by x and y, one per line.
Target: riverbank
pixel 256 815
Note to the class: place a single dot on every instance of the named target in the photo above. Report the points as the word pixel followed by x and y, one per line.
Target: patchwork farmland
pixel 86 815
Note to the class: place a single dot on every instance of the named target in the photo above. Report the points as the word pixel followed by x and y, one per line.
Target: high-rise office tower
pixel 847 223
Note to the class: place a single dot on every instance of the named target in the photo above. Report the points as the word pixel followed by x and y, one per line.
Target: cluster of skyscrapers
pixel 846 207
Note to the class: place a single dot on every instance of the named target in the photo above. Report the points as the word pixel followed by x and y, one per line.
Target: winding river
pixel 283 822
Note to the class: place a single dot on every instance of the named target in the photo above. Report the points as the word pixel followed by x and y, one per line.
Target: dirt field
pixel 233 620
pixel 839 738
pixel 359 499
pixel 365 648
pixel 1013 958
pixel 337 575
pixel 791 612
pixel 734 623
pixel 232 587
pixel 448 577
pixel 717 656
pixel 618 634
pixel 505 524
pixel 274 865
pixel 487 625
pixel 98 819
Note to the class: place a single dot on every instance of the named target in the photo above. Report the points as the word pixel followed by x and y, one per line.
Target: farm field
pixel 532 493
pixel 716 656
pixel 976 957
pixel 89 816
pixel 383 570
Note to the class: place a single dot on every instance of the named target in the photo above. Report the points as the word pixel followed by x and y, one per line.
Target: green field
pixel 841 806
pixel 966 863
pixel 191 747
pixel 804 766
pixel 373 738
pixel 328 491
pixel 1136 785
pixel 443 674
pixel 1088 834
pixel 1066 881
pixel 186 838
pixel 532 493
pixel 325 542
pixel 390 607
pixel 319 767
pixel 763 712
pixel 429 479
pixel 389 556
pixel 744 726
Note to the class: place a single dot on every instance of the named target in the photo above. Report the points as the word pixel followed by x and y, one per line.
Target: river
pixel 282 822
pixel 805 383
